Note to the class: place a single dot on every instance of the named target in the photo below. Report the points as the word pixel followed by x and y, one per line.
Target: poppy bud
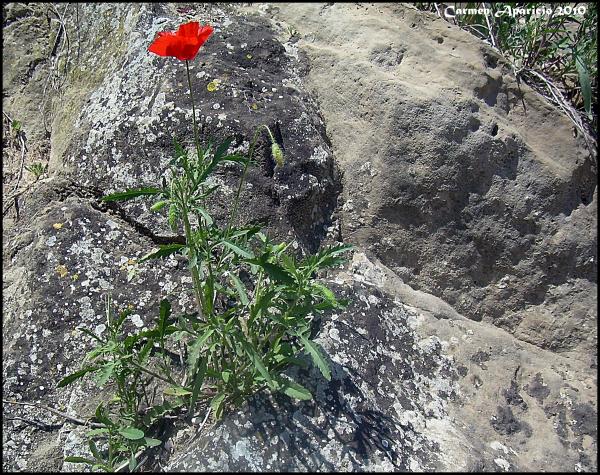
pixel 277 154
pixel 158 205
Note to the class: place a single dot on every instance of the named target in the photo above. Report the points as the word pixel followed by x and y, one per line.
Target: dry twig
pixel 69 418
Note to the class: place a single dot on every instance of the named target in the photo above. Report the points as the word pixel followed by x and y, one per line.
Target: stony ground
pixel 470 342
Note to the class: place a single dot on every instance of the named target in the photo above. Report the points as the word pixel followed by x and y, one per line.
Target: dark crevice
pixel 95 195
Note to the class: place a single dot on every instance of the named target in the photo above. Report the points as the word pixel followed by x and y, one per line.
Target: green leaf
pixel 173 213
pixel 150 442
pixel 325 292
pixel 217 405
pixel 102 466
pixel 157 412
pixel 102 416
pixel 317 358
pixel 79 460
pixel 225 375
pixel 278 273
pixel 584 81
pixel 258 363
pixel 132 193
pixel 198 380
pixel 163 251
pixel 75 376
pixel 164 313
pixel 106 372
pixel 222 148
pixel 177 391
pixel 132 462
pixel 207 218
pixel 239 251
pixel 294 390
pixel 94 450
pixel 179 151
pixel 263 302
pixel 145 352
pixel 159 205
pixel 95 432
pixel 241 290
pixel 131 433
pixel 196 347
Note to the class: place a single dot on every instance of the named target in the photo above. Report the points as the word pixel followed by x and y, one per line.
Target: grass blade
pixel 241 290
pixel 75 376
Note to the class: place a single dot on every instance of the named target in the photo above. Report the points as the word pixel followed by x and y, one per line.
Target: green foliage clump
pixel 256 305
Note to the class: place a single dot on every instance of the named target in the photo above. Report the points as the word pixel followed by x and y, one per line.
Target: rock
pixel 402 398
pixel 68 249
pixel 469 342
pixel 466 185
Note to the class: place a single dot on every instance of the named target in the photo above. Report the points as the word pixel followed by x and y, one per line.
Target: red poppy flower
pixel 184 44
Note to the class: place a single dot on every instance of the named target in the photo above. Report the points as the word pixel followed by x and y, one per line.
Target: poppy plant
pixel 183 44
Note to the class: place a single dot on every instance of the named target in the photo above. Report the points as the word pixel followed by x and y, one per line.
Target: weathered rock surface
pixel 412 393
pixel 465 212
pixel 465 184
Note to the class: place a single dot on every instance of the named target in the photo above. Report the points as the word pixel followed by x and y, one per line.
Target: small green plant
pixel 551 46
pixel 123 361
pixel 16 127
pixel 291 31
pixel 37 169
pixel 256 307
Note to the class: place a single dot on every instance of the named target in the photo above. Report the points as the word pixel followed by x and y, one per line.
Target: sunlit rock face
pixel 469 339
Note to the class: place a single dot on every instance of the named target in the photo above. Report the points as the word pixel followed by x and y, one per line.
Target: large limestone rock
pixel 467 185
pixel 467 215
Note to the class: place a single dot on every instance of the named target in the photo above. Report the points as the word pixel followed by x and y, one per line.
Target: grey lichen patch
pixel 101 47
pixel 72 262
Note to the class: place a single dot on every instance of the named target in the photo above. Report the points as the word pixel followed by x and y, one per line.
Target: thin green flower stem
pixel 194 269
pixel 187 67
pixel 195 275
pixel 180 195
pixel 239 190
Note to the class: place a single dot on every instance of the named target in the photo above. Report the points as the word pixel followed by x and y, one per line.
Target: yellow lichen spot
pixel 57 225
pixel 254 106
pixel 75 277
pixel 62 270
pixel 131 262
pixel 212 86
pixel 248 56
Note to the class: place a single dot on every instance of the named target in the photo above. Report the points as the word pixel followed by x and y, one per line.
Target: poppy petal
pixel 161 44
pixel 189 29
pixel 204 33
pixel 184 44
